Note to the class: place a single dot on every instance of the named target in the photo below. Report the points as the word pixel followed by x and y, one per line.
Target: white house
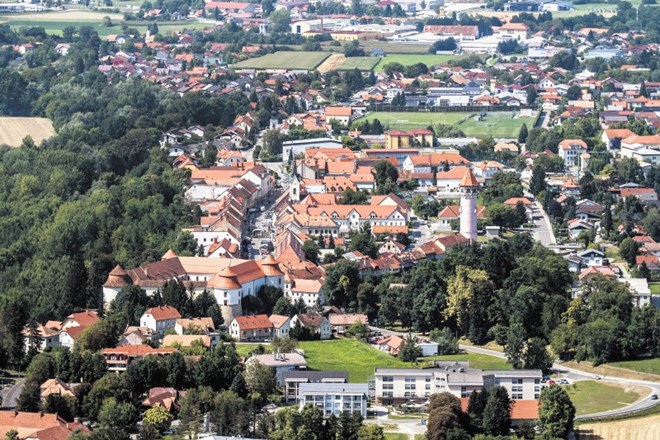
pixel 315 322
pixel 335 398
pixel 281 325
pixel 592 257
pixel 570 150
pixel 160 319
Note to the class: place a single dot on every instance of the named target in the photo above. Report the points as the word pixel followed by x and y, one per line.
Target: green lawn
pixel 410 59
pixel 360 63
pixel 394 48
pixel 284 60
pixel 591 397
pixel 655 289
pixel 358 358
pixel 396 436
pixel 495 124
pixel 481 361
pixel 245 348
pixel 651 365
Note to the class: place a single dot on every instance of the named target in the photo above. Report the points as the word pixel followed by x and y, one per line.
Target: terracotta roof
pixel 225 279
pixel 55 386
pixel 468 179
pixel 163 312
pixel 185 340
pixel 313 320
pixel 278 320
pixel 648 259
pixel 169 254
pixel 436 159
pixel 201 323
pixel 270 266
pixel 454 211
pixel 567 144
pixel 385 229
pixel 307 286
pixel 338 111
pixel 137 350
pixel 253 322
pixel 84 319
pixel 520 409
pixel 513 201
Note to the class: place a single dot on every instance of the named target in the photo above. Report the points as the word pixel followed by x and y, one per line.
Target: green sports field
pixel 495 124
pixel 284 60
pixel 410 59
pixel 360 63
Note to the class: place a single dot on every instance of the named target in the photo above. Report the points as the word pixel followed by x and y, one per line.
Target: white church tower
pixel 469 189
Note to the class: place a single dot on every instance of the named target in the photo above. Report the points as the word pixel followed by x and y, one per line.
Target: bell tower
pixel 469 190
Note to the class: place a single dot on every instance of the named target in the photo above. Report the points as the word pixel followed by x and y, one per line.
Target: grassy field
pixel 633 370
pixel 591 397
pixel 651 366
pixel 393 48
pixel 284 60
pixel 360 63
pixel 410 59
pixel 13 130
pixel 360 359
pixel 481 361
pixel 498 125
pixel 655 289
pixel 357 358
pixel 54 21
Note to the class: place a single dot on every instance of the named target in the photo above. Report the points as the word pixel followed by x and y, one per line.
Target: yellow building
pixel 395 139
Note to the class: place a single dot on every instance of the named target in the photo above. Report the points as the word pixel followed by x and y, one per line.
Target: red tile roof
pixel 163 312
pixel 253 322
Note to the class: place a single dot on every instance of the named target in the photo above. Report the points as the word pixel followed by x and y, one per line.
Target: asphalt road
pixel 10 395
pixel 542 227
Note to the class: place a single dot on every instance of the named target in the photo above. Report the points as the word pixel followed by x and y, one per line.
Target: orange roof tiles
pixel 253 322
pixel 163 312
pixel 469 180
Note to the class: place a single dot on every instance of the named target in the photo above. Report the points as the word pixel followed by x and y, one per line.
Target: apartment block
pixel 335 398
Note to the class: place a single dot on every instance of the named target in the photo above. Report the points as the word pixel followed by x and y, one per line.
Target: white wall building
pixel 335 398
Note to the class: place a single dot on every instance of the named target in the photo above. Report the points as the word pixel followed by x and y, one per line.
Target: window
pixel 388 394
pixel 516 389
pixel 517 381
pixel 388 379
pixel 537 381
pixel 388 386
pixel 517 396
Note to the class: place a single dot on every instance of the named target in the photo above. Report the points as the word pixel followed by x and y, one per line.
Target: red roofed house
pixel 453 212
pixel 39 426
pixel 339 114
pixel 651 261
pixel 251 328
pixel 521 410
pixel 314 322
pixel 119 358
pixel 160 319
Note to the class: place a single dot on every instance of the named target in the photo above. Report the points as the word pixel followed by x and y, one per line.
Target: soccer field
pixel 360 63
pixel 495 124
pixel 410 59
pixel 284 60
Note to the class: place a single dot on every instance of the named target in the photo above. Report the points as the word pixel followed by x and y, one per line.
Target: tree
pixel 606 221
pixel 497 412
pixel 230 414
pixel 386 176
pixel 12 435
pixel 349 425
pixel 272 141
pixel 556 412
pixel 537 183
pixel 117 415
pixel 447 342
pixel 107 21
pixel 311 251
pixel 469 301
pixel 522 134
pixel 158 417
pixel 628 250
pixel 175 295
pixel 536 355
pixel 260 380
pixel 515 344
pixel 30 398
pixel 441 420
pixel 371 432
pixel 409 352
pixel 341 283
pixel 281 20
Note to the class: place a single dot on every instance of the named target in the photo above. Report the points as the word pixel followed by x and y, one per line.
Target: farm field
pixel 410 59
pixel 14 129
pixel 396 48
pixel 651 366
pixel 496 124
pixel 284 60
pixel 590 396
pixel 54 25
pixel 360 63
pixel 630 429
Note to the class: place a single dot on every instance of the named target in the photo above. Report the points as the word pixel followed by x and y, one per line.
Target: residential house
pixel 38 425
pixel 339 114
pixel 251 328
pixel 281 325
pixel 340 322
pixel 55 387
pixel 194 326
pixel 119 358
pixel 570 150
pixel 452 213
pixel 160 319
pixel 167 397
pixel 187 341
pixel 592 257
pixel 316 323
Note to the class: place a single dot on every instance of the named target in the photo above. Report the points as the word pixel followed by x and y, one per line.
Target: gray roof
pixel 516 373
pixel 333 388
pixel 469 378
pixel 404 371
pixel 314 376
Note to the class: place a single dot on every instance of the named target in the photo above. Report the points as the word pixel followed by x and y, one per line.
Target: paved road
pixel 10 395
pixel 542 226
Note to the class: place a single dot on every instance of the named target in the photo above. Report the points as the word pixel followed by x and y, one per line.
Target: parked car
pixel 654 397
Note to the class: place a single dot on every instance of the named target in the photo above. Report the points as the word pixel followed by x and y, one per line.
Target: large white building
pixel 335 398
pixel 229 280
pixel 398 385
pixel 570 150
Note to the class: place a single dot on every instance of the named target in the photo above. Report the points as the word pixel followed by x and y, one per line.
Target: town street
pixel 10 395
